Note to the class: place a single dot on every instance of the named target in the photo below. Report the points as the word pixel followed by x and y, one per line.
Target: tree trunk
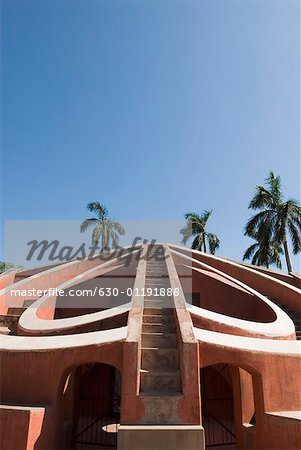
pixel 287 256
pixel 204 242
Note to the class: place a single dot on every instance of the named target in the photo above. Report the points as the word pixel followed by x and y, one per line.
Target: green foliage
pixel 276 220
pixel 264 253
pixel 5 266
pixel 196 227
pixel 105 229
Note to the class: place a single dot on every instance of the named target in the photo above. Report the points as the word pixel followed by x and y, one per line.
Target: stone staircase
pixel 9 321
pixel 296 318
pixel 160 380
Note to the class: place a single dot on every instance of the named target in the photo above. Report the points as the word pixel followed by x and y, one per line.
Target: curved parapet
pixel 31 323
pixel 278 290
pixel 30 344
pixel 281 327
pixel 262 346
pixel 55 276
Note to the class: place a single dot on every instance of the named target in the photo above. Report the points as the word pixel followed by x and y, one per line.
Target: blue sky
pixel 152 107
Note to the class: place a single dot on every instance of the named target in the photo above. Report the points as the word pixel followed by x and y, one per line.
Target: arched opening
pixel 91 407
pixel 229 406
pixel 217 406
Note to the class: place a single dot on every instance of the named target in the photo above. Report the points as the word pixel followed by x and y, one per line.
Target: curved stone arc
pixel 29 344
pixel 68 264
pixel 273 329
pixel 230 341
pixel 247 328
pixel 233 264
pixel 282 322
pixel 30 322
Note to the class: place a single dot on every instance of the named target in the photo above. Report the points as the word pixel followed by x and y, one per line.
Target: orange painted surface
pixel 262 383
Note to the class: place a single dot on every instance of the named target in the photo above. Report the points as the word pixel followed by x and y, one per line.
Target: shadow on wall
pixel 213 292
pixel 229 413
pixel 89 407
pixel 17 437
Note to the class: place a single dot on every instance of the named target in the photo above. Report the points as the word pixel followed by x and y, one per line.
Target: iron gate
pixel 217 405
pixel 98 406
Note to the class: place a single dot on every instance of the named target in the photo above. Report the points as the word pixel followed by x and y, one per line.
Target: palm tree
pixel 5 266
pixel 264 253
pixel 196 227
pixel 104 227
pixel 277 218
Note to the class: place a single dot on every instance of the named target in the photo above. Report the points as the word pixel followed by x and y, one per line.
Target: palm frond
pixel 295 237
pixel 186 232
pixel 97 233
pixel 87 223
pixel 214 243
pixel 192 216
pixel 205 216
pixel 250 251
pixel 196 226
pixel 254 222
pixel 274 185
pixel 261 199
pixel 114 237
pixel 271 225
pixel 98 209
pixel 197 243
pixel 118 227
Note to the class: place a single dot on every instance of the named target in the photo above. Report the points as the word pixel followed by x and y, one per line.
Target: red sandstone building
pixel 216 364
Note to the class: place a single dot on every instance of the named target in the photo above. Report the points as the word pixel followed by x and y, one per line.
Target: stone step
pixel 153 280
pixel 159 311
pixel 154 262
pixel 156 327
pixel 157 304
pixel 158 277
pixel 160 409
pixel 160 358
pixel 156 272
pixel 159 340
pixel 152 312
pixel 156 318
pixel 159 298
pixel 157 280
pixel 156 287
pixel 158 380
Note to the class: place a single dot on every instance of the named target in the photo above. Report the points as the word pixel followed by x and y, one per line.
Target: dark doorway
pixel 97 406
pixel 217 405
